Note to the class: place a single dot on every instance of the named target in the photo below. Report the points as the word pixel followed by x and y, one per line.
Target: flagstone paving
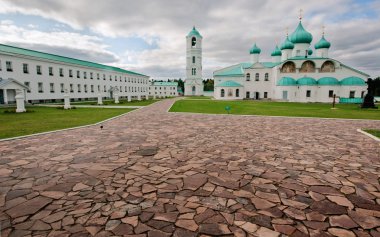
pixel 154 173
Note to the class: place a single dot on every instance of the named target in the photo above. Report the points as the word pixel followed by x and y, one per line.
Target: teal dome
pixel 322 44
pixel 276 52
pixel 300 35
pixel 255 49
pixel 194 32
pixel 306 81
pixel 287 44
pixel 309 52
pixel 328 81
pixel 287 81
pixel 352 81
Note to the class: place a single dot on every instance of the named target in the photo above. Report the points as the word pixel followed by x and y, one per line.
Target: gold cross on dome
pixel 323 29
pixel 300 16
pixel 287 31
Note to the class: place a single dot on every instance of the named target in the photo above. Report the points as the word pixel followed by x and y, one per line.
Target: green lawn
pixel 276 109
pixel 200 97
pixel 374 132
pixel 122 102
pixel 42 119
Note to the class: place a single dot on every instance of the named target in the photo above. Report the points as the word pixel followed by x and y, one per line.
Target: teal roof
pixel 322 44
pixel 164 83
pixel 233 71
pixel 276 52
pixel 287 81
pixel 352 81
pixel 300 35
pixel 255 49
pixel 287 44
pixel 306 81
pixel 229 84
pixel 309 52
pixel 194 32
pixel 270 64
pixel 328 81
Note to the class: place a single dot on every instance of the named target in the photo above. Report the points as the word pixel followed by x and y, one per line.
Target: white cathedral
pixel 295 74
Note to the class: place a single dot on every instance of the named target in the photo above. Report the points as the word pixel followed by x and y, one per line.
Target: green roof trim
pixel 300 35
pixel 353 81
pixel 62 59
pixel 164 83
pixel 328 81
pixel 306 81
pixel 229 84
pixel 194 32
pixel 286 81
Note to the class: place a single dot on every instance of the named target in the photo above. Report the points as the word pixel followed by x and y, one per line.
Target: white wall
pixel 227 90
pixel 163 91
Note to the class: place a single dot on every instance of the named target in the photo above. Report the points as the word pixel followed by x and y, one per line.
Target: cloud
pixel 229 29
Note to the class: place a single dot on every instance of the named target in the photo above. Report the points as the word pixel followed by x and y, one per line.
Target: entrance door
pixel 1 97
pixel 284 95
pixel 193 90
pixel 257 95
pixel 247 95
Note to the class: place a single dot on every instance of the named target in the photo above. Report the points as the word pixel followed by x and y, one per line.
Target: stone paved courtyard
pixel 154 173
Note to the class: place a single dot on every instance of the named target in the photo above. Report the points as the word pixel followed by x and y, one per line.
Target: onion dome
pixel 322 44
pixel 287 44
pixel 300 35
pixel 255 49
pixel 309 52
pixel 194 32
pixel 276 52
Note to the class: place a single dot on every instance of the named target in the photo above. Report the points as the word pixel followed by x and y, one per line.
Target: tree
pixel 208 85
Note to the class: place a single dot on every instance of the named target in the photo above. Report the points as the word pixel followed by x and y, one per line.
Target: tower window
pixel 193 59
pixel 193 42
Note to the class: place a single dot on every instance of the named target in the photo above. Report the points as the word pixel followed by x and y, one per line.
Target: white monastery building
pixel 42 77
pixel 163 89
pixel 193 81
pixel 295 74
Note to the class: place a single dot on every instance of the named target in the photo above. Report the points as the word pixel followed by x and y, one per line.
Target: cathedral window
pixel 222 93
pixel 248 77
pixel 288 67
pixel 266 77
pixel 307 66
pixel 328 66
pixel 257 77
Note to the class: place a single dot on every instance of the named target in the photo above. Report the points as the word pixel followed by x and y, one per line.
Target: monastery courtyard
pixel 153 173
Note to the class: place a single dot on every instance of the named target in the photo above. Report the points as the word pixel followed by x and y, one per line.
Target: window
pixel 51 87
pixel 288 67
pixel 352 94
pixel 110 78
pixel 104 77
pixel 71 88
pixel 265 95
pixel 62 88
pixel 257 77
pixel 92 88
pixel 193 59
pixel 237 93
pixel 222 93
pixel 39 72
pixel 328 66
pixel 25 68
pixel 0 65
pixel 97 76
pixel 40 87
pixel 91 75
pixel 193 71
pixel 70 73
pixel 98 88
pixel 85 75
pixel 248 77
pixel 363 93
pixel 266 78
pixel 27 84
pixel 331 93
pixel 85 88
pixel 105 89
pixel 307 66
pixel 193 42
pixel 79 89
pixel 308 93
pixel 50 71
pixel 9 66
pixel 61 72
pixel 78 74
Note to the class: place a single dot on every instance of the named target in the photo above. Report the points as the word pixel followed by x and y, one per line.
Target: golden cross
pixel 287 31
pixel 300 16
pixel 323 29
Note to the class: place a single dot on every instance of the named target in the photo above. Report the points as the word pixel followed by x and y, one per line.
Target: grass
pixel 374 132
pixel 43 119
pixel 349 111
pixel 199 97
pixel 122 102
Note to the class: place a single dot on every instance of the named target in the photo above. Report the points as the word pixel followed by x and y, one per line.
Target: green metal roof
pixel 255 49
pixel 322 44
pixel 270 64
pixel 276 52
pixel 328 81
pixel 300 35
pixel 233 71
pixel 306 81
pixel 194 32
pixel 164 83
pixel 287 81
pixel 353 81
pixel 229 84
pixel 52 57
pixel 287 44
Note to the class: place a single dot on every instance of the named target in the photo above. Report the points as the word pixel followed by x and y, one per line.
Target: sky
pixel 149 36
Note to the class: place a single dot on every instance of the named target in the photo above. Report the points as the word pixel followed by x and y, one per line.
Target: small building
pixel 163 89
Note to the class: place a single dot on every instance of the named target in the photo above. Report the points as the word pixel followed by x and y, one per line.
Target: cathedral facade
pixel 296 73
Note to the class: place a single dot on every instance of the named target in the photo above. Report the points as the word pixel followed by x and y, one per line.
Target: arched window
pixel 193 59
pixel 248 77
pixel 222 93
pixel 288 67
pixel 307 66
pixel 328 66
pixel 193 42
pixel 266 76
pixel 257 77
pixel 237 93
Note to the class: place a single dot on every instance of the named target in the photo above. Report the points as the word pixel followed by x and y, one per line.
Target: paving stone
pixel 341 232
pixel 262 203
pixel 194 182
pixel 187 224
pixel 343 221
pixel 342 201
pixel 249 227
pixel 285 229
pixel 214 229
pixel 265 232
pixel 329 208
pixel 28 207
pixel 122 229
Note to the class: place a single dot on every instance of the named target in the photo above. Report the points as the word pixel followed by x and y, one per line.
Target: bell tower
pixel 193 82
